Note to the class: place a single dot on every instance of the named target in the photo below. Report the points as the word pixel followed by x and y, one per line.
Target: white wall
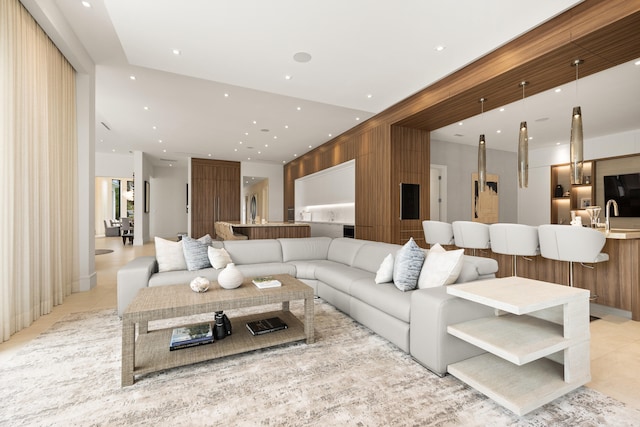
pixel 275 174
pixel 534 202
pixel 461 161
pixel 168 214
pixel 108 164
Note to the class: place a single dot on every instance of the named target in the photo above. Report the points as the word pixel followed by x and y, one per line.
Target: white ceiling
pixel 366 56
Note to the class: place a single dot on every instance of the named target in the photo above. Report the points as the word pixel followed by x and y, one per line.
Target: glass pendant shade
pixel 523 156
pixel 576 146
pixel 482 163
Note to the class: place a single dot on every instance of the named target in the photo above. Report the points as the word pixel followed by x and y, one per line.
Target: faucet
pixel 606 212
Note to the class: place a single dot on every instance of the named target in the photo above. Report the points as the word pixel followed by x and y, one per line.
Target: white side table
pixel 537 351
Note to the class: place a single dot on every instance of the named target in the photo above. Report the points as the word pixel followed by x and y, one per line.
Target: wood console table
pixel 273 230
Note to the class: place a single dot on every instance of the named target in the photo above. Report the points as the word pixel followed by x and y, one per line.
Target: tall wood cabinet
pixel 571 197
pixel 215 194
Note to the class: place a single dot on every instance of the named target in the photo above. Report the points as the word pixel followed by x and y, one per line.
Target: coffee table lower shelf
pixel 152 352
pixel 518 388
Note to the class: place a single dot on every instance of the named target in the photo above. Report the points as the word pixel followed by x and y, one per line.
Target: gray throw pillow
pixel 407 266
pixel 195 253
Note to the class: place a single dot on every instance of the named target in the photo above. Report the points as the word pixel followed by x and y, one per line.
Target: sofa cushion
pixel 407 266
pixel 307 269
pixel 340 276
pixel 441 267
pixel 266 269
pixel 170 255
pixel 254 251
pixel 219 258
pixel 385 272
pixel 195 253
pixel 306 248
pixel 385 297
pixel 371 255
pixel 182 277
pixel 344 250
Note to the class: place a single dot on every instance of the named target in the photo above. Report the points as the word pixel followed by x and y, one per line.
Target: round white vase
pixel 230 277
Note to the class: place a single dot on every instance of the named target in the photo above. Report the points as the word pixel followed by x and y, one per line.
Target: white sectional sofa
pixel 342 272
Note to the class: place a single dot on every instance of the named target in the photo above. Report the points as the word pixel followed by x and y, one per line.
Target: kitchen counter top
pixel 269 224
pixel 621 233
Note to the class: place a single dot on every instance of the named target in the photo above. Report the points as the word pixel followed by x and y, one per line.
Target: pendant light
pixel 576 143
pixel 482 155
pixel 523 149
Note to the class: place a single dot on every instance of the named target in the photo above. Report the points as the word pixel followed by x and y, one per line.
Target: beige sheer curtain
pixel 37 171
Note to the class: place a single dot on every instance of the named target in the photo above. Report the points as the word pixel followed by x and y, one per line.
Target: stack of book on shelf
pixel 266 282
pixel 191 336
pixel 264 326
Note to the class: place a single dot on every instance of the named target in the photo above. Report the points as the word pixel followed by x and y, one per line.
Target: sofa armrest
pixel 133 277
pixel 432 310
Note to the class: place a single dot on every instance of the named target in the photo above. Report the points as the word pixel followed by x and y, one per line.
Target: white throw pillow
pixel 170 255
pixel 385 272
pixel 441 267
pixel 219 258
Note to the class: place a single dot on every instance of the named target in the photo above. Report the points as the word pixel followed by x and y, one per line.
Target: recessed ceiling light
pixel 248 158
pixel 439 48
pixel 246 134
pixel 460 123
pixel 357 118
pixel 288 77
pixel 557 143
pixel 295 155
pixel 498 131
pixel 299 108
pixel 209 154
pixel 113 150
pixel 146 108
pixel 637 62
pixel 558 90
pixel 160 141
pixel 164 151
pixel 176 51
pixel 530 138
pixel 311 146
pixel 240 142
pixel 154 127
pixel 235 149
pixel 286 126
pixel 284 161
pixel 259 152
pixel 302 57
pixel 226 95
pixel 132 77
pixel 502 109
pixel 275 137
pixel 266 145
pixel 86 4
pixel 369 96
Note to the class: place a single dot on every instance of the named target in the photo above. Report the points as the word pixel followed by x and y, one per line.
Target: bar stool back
pixel 516 240
pixel 471 235
pixel 438 232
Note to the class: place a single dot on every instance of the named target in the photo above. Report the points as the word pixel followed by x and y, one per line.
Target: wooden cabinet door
pixel 215 194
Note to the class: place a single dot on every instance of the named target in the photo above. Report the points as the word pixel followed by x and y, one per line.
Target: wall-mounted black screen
pixel 625 190
pixel 409 201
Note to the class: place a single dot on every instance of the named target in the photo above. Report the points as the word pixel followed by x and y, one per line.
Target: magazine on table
pixel 264 326
pixel 266 282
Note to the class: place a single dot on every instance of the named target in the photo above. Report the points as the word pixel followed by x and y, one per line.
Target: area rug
pixel 70 376
pixel 103 251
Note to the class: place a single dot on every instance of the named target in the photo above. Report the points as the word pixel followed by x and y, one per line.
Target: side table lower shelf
pixel 538 382
pixel 152 352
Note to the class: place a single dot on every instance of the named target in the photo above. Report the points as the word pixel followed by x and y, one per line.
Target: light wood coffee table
pixel 150 351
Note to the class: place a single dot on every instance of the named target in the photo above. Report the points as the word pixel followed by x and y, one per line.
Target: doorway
pixel 438 193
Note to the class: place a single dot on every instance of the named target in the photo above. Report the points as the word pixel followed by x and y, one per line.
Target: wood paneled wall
pixel 603 33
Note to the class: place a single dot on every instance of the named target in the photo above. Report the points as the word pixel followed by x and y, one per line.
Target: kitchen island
pixel 273 230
